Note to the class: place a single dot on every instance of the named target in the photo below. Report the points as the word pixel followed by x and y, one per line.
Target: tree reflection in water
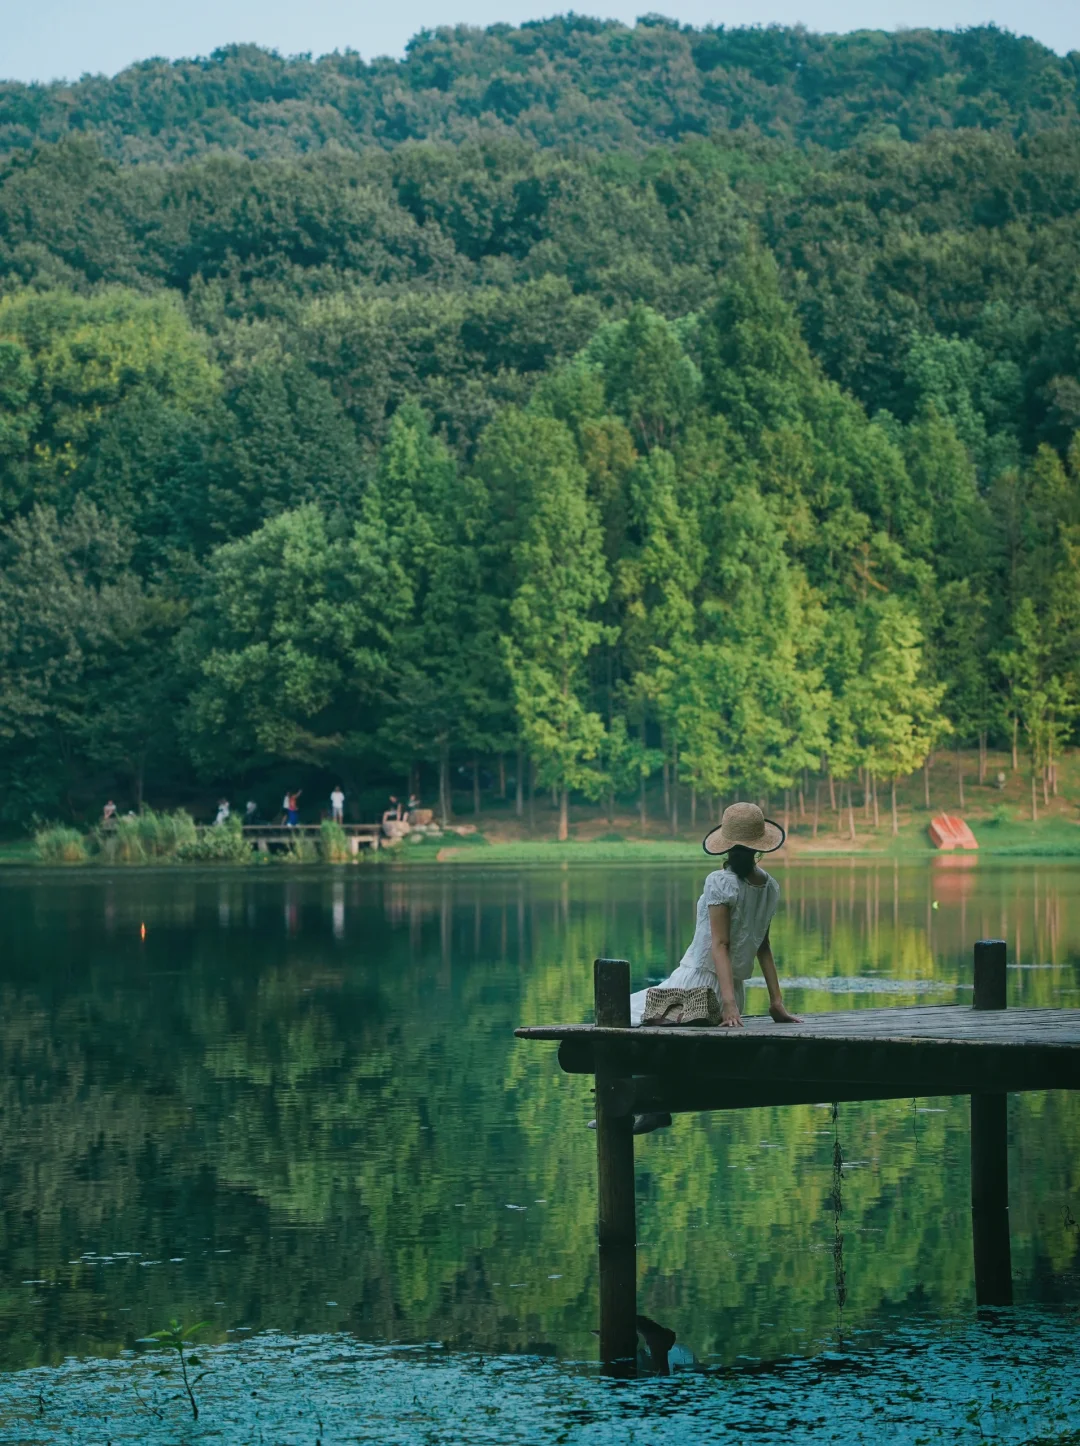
pixel 302 1091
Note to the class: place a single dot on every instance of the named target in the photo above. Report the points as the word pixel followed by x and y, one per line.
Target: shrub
pixel 333 843
pixel 1000 815
pixel 221 844
pixel 56 843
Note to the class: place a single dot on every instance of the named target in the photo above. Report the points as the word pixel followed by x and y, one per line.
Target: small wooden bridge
pixel 984 1051
pixel 265 835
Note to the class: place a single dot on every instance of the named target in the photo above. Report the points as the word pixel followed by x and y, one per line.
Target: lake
pixel 289 1104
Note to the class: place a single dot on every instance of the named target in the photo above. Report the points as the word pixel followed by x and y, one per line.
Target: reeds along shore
pixel 151 837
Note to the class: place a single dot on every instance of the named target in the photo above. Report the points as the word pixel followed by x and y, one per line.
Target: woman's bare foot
pixel 782 1015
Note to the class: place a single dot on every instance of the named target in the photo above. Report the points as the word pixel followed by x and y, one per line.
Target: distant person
pixel 108 815
pixel 413 804
pixel 292 808
pixel 337 805
pixel 222 812
pixel 251 813
pixel 393 813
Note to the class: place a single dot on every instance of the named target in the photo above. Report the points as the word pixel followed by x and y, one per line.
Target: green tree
pixel 895 710
pixel 291 642
pixel 558 566
pixel 447 689
pixel 76 359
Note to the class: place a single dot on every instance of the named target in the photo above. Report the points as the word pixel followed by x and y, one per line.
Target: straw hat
pixel 746 825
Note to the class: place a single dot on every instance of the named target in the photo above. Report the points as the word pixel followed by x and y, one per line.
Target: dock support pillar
pixel 990 1152
pixel 616 1218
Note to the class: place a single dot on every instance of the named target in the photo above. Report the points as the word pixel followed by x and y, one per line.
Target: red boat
pixel 949 832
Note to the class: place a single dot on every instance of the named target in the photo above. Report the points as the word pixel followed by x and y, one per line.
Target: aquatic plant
pixel 174 1337
pixel 333 843
pixel 161 834
pixel 57 843
pixel 299 850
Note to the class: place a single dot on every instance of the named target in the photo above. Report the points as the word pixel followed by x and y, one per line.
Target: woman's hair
pixel 741 861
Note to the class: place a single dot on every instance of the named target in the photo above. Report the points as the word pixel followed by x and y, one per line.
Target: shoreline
pixel 1050 838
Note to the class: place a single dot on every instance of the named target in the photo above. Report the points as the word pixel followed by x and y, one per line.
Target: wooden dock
pixel 279 835
pixel 984 1051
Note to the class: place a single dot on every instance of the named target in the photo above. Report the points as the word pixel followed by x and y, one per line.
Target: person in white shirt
pixel 734 912
pixel 337 805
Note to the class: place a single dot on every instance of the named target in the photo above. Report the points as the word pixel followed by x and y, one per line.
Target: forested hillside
pixel 715 459
pixel 568 80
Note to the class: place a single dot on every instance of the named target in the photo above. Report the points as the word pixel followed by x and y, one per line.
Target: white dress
pixel 752 908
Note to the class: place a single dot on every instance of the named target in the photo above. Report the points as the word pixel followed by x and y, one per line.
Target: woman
pixel 733 917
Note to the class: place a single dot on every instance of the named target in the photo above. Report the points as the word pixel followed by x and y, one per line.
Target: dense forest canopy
pixel 716 451
pixel 571 79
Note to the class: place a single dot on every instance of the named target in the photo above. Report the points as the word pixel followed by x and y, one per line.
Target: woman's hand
pixel 782 1015
pixel 730 1018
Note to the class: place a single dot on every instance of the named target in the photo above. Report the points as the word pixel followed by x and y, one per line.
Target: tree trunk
pixel 641 806
pixel 444 786
pixel 787 811
pixel 1016 734
pixel 895 820
pixel 532 796
pixel 866 794
pixel 873 787
pixel 1034 803
pixel 674 790
pixel 502 775
pixel 802 804
pixel 926 782
pixel 851 813
pixel 519 785
pixel 1046 786
pixel 667 790
pixel 564 815
pixel 475 786
pixel 817 805
pixel 982 757
pixel 832 793
pixel 693 805
pixel 611 807
pixel 960 776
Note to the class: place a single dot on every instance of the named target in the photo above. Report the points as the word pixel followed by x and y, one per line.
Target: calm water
pixel 295 1110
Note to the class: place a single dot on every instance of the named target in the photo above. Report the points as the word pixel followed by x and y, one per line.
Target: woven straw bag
pixel 682 1006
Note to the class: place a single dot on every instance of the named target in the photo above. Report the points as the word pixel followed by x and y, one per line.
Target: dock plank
pixel 933 1022
pixel 932 1049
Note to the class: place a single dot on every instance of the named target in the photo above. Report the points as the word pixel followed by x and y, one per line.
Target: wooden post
pixel 989 974
pixel 990 1152
pixel 616 1222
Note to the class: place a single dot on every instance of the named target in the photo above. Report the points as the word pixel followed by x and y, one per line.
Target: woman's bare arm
pixel 777 1008
pixel 720 926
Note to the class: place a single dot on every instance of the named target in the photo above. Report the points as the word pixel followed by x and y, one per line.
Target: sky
pixel 63 39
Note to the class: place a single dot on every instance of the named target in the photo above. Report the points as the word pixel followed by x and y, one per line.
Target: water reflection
pixel 304 1089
